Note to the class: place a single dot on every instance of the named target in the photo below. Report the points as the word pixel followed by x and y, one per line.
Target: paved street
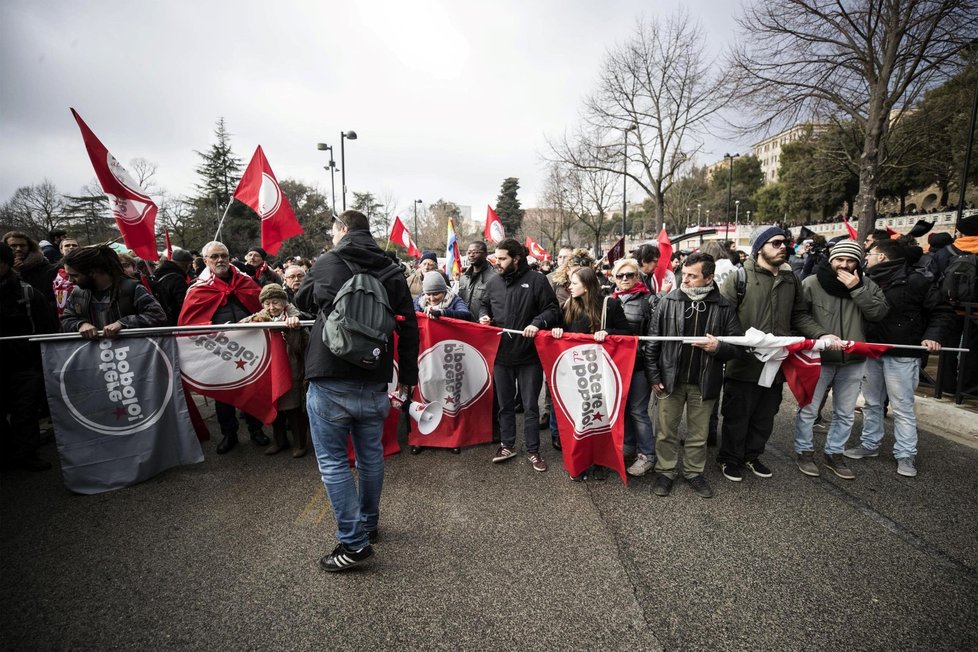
pixel 223 555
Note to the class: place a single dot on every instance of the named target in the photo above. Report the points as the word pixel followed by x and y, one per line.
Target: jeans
pixel 638 424
pixel 697 427
pixel 896 378
pixel 227 419
pixel 530 381
pixel 748 418
pixel 844 381
pixel 337 409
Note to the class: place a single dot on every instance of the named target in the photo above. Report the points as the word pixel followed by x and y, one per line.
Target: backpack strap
pixel 741 284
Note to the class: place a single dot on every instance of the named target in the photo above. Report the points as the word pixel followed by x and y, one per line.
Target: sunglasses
pixel 624 275
pixel 777 244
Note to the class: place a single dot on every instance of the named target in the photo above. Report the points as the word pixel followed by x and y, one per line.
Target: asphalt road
pixel 224 555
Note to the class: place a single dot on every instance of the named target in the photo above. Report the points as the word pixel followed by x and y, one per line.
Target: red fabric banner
pixel 801 370
pixel 618 251
pixel 536 250
pixel 400 235
pixel 665 257
pixel 455 370
pixel 259 189
pixel 867 349
pixel 589 385
pixel 133 210
pixel 494 231
pixel 853 234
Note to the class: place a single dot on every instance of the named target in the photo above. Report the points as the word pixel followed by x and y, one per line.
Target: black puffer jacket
pixel 917 311
pixel 170 287
pixel 316 294
pixel 517 300
pixel 663 359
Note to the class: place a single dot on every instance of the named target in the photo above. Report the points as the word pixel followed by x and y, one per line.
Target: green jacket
pixel 773 304
pixel 845 317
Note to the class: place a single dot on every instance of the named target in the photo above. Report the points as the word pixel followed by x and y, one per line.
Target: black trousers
pixel 529 379
pixel 748 418
pixel 227 418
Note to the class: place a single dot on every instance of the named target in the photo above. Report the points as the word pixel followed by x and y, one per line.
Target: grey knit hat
pixel 273 291
pixel 433 282
pixel 847 248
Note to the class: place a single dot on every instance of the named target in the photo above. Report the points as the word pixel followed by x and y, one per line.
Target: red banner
pixel 535 250
pixel 665 257
pixel 259 189
pixel 801 370
pixel 494 227
pixel 454 378
pixel 400 235
pixel 589 385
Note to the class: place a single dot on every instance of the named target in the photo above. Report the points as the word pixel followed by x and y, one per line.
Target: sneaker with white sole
pixel 860 451
pixel 759 468
pixel 344 558
pixel 836 463
pixel 642 465
pixel 503 453
pixel 731 471
pixel 806 463
pixel 537 461
pixel 906 468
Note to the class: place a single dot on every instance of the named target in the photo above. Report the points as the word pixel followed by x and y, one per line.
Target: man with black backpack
pixel 360 298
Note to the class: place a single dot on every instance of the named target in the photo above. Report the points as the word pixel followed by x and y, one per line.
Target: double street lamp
pixel 344 135
pixel 332 169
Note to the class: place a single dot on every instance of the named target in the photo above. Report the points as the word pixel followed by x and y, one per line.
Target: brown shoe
pixel 274 448
pixel 299 452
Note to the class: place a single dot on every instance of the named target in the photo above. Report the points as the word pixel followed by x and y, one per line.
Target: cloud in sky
pixel 447 98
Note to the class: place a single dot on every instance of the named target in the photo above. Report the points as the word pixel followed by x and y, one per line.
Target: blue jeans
pixel 896 378
pixel 337 409
pixel 638 424
pixel 844 381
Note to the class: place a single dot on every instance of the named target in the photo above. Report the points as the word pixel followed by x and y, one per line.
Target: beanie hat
pixel 429 255
pixel 762 235
pixel 967 225
pixel 261 252
pixel 433 282
pixel 273 291
pixel 181 256
pixel 939 240
pixel 847 248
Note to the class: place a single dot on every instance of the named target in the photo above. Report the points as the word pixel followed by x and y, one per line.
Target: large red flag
pixel 665 257
pixel 259 189
pixel 133 210
pixel 801 370
pixel 536 250
pixel 494 227
pixel 400 235
pixel 455 370
pixel 853 234
pixel 589 385
pixel 618 251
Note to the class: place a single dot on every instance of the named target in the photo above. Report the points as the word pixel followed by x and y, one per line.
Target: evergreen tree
pixel 508 206
pixel 219 169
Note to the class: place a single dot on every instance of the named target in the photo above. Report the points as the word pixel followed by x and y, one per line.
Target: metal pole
pixel 726 218
pixel 624 184
pixel 343 167
pixel 967 151
pixel 332 178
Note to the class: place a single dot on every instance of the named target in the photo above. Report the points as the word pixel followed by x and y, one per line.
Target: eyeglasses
pixel 624 275
pixel 295 276
pixel 777 244
pixel 219 257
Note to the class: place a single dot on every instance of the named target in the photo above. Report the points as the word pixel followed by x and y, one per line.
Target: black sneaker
pixel 701 486
pixel 343 558
pixel 373 535
pixel 662 485
pixel 759 469
pixel 732 472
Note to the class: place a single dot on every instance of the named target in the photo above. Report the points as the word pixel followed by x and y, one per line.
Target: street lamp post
pixel 624 178
pixel 708 217
pixel 344 135
pixel 416 234
pixel 698 207
pixel 688 209
pixel 737 217
pixel 748 216
pixel 332 169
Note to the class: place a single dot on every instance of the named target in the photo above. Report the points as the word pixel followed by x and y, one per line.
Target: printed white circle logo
pixel 130 210
pixel 588 389
pixel 454 374
pixel 269 197
pixel 122 398
pixel 496 231
pixel 225 360
pixel 405 238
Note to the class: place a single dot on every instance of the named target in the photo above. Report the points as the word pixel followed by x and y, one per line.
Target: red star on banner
pixel 240 364
pixel 449 400
pixel 120 412
pixel 598 416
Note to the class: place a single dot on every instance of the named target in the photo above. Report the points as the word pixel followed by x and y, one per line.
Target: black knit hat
pixel 261 252
pixel 967 225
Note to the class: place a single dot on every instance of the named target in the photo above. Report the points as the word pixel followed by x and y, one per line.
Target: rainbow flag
pixel 453 259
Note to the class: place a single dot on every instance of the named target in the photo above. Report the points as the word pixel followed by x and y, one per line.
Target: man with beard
pixel 223 295
pixel 31 265
pixel 263 273
pixel 104 299
pixel 769 298
pixel 519 299
pixel 918 317
pixel 472 285
pixel 840 298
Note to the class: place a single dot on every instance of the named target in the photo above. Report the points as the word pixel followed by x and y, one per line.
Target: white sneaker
pixel 906 468
pixel 642 465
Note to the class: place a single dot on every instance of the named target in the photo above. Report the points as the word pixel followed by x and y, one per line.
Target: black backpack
pixel 359 328
pixel 960 282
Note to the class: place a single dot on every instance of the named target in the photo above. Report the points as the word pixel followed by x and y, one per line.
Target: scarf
pixel 832 285
pixel 638 288
pixel 445 303
pixel 696 294
pixel 209 293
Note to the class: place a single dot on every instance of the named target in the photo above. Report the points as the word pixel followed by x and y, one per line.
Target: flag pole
pixel 221 223
pixel 164 330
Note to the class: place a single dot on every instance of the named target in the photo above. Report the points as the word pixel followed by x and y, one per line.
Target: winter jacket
pixel 39 273
pixel 315 297
pixel 472 287
pixel 23 311
pixel 772 304
pixel 845 317
pixel 671 318
pixel 131 304
pixel 917 311
pixel 170 283
pixel 452 307
pixel 296 343
pixel 516 300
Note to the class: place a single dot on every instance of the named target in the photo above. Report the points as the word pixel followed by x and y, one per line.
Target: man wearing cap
pixel 841 299
pixel 769 300
pixel 427 263
pixel 170 283
pixel 264 274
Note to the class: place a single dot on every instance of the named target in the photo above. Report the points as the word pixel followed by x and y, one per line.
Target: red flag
pixel 589 385
pixel 169 246
pixel 455 370
pixel 259 189
pixel 801 370
pixel 536 250
pixel 665 257
pixel 494 228
pixel 133 210
pixel 893 233
pixel 853 234
pixel 618 251
pixel 400 235
pixel 867 349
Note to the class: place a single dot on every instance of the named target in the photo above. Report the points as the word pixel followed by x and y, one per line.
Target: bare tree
pixel 593 193
pixel 553 221
pixel 143 172
pixel 658 91
pixel 866 60
pixel 36 209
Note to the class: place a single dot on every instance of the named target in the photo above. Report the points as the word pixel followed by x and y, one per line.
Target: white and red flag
pixel 455 370
pixel 850 229
pixel 665 257
pixel 132 208
pixel 400 235
pixel 589 385
pixel 797 357
pixel 259 189
pixel 536 250
pixel 494 231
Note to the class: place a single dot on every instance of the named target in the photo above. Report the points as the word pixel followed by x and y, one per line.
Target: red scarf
pixel 638 288
pixel 209 293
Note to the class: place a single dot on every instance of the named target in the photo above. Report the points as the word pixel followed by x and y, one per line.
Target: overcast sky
pixel 448 98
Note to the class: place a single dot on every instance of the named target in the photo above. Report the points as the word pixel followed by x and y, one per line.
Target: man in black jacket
pixel 345 399
pixel 689 375
pixel 918 317
pixel 518 299
pixel 170 283
pixel 472 284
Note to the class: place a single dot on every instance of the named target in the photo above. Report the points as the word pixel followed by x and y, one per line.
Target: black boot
pixel 260 438
pixel 229 442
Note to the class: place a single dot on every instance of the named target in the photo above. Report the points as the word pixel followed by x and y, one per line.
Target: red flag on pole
pixel 494 228
pixel 400 235
pixel 589 385
pixel 893 232
pixel 853 234
pixel 801 370
pixel 665 257
pixel 133 210
pixel 618 251
pixel 259 189
pixel 536 250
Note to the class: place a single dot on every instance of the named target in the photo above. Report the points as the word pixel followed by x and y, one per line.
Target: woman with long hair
pixel 589 311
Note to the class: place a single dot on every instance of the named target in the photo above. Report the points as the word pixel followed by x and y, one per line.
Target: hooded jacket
pixel 516 300
pixel 917 311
